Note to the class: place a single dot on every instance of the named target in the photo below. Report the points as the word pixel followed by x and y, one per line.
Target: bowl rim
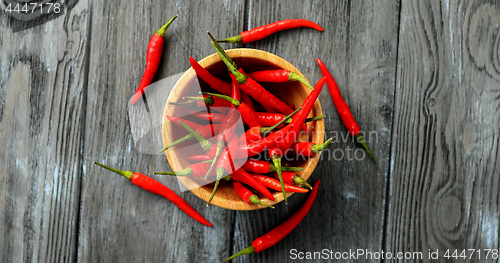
pixel 240 205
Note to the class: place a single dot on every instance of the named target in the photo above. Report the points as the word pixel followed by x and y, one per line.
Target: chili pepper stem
pixel 256 201
pixel 361 140
pixel 220 172
pixel 231 66
pixel 181 140
pixel 277 163
pixel 292 76
pixel 235 102
pixel 285 168
pixel 266 130
pixel 205 144
pixel 218 152
pixel 248 250
pixel 316 148
pixel 161 31
pixel 185 172
pixel 235 39
pixel 126 174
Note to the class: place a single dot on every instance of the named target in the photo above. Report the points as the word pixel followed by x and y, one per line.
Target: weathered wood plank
pixel 359 46
pixel 445 180
pixel 42 91
pixel 121 222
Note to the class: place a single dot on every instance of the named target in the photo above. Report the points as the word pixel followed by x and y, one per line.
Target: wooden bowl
pixel 291 93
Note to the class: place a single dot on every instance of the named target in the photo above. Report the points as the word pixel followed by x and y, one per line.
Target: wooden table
pixel 424 76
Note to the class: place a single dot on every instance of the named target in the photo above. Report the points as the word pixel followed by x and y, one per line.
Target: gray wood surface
pixel 42 95
pixel 64 93
pixel 445 170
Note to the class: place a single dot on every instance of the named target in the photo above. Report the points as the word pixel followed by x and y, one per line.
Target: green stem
pixel 362 141
pixel 316 148
pixel 256 201
pixel 309 119
pixel 208 100
pixel 231 66
pixel 300 181
pixel 181 140
pixel 161 31
pixel 184 172
pixel 220 172
pixel 292 76
pixel 285 168
pixel 235 102
pixel 205 144
pixel 265 130
pixel 277 163
pixel 218 151
pixel 248 250
pixel 235 39
pixel 127 174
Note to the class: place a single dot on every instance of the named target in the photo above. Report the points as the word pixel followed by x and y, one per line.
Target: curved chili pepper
pixel 191 124
pixel 342 108
pixel 194 170
pixel 247 114
pixel 264 167
pixel 214 82
pixel 155 187
pixel 207 131
pixel 247 196
pixel 250 86
pixel 153 56
pixel 261 32
pixel 278 76
pixel 291 178
pixel 308 149
pixel 274 236
pixel 258 132
pixel 276 185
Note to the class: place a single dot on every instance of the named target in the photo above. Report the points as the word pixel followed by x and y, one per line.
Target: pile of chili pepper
pixel 271 131
pixel 207 124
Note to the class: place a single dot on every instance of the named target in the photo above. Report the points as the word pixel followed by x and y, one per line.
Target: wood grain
pixel 121 222
pixel 359 47
pixel 445 180
pixel 42 96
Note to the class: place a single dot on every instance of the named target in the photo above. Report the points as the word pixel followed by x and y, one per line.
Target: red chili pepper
pixel 202 101
pixel 308 149
pixel 207 116
pixel 199 158
pixel 263 167
pixel 274 236
pixel 245 98
pixel 258 132
pixel 206 132
pixel 342 108
pixel 194 170
pixel 247 196
pixel 191 124
pixel 270 119
pixel 300 117
pixel 247 114
pixel 291 178
pixel 250 86
pixel 153 56
pixel 278 76
pixel 241 175
pixel 275 184
pixel 254 148
pixel 214 82
pixel 261 32
pixel 155 187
